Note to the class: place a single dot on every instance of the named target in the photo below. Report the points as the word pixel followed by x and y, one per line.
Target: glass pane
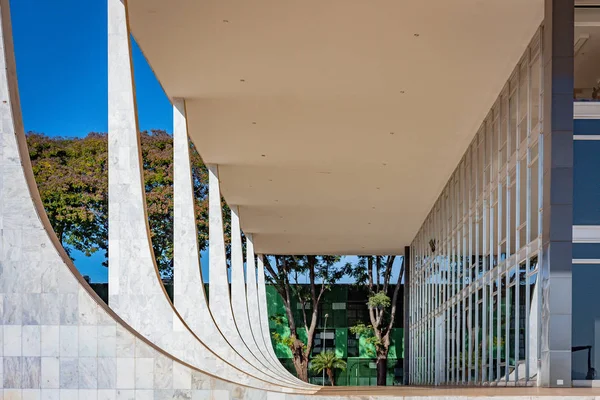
pixel 534 201
pixel 535 92
pixel 512 111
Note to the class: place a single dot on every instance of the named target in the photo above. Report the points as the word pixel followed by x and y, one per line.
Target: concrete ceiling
pixel 335 123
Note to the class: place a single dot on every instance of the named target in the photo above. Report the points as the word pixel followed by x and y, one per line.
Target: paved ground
pixel 445 392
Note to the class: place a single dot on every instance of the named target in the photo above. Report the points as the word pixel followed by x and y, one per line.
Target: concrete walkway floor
pixel 406 392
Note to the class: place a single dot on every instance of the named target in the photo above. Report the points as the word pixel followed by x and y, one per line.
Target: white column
pixel 240 306
pixel 136 292
pixel 188 286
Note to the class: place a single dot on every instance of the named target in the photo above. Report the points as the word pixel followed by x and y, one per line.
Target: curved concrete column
pixel 254 308
pixel 59 339
pixel 262 306
pixel 136 292
pixel 239 302
pixel 189 295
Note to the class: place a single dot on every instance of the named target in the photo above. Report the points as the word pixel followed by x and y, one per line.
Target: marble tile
pixel 142 350
pixel 32 309
pixel 88 394
pixel 12 340
pixel 144 373
pixel 69 373
pixel 144 394
pixel 50 394
pixel 220 395
pixel 69 394
pixel 125 342
pixel 31 340
pixel 200 380
pixel 50 337
pixel 88 341
pixel 12 309
pixel 87 308
pixel 107 394
pixel 88 373
pixel 107 373
pixel 163 372
pixel 201 395
pixel 180 394
pixel 50 309
pixel 31 373
pixel 107 338
pixel 69 341
pixel 12 367
pixel 125 373
pixel 50 373
pixel 31 394
pixel 182 377
pixel 69 309
pixel 12 394
pixel 125 394
pixel 164 394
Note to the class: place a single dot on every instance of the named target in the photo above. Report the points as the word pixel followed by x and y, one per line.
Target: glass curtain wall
pixel 474 304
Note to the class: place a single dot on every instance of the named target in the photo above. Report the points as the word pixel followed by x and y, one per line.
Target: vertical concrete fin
pixel 189 295
pixel 188 286
pixel 136 291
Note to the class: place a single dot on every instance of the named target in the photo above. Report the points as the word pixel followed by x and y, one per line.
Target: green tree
pixel 285 273
pixel 329 362
pixel 72 177
pixel 376 272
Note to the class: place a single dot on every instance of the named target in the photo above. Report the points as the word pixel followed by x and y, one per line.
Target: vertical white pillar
pixel 188 286
pixel 239 303
pixel 129 240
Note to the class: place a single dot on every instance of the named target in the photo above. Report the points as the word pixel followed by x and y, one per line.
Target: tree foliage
pixel 72 177
pixel 375 272
pixel 285 273
pixel 328 362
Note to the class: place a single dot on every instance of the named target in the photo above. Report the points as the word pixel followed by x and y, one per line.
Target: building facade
pixel 501 269
pixel 345 306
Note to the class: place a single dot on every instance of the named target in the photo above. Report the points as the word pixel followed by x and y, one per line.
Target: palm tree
pixel 327 361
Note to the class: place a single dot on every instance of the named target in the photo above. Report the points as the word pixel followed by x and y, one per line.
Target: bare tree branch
pixel 395 296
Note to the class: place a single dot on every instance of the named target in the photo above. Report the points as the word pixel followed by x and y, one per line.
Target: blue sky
pixel 61 53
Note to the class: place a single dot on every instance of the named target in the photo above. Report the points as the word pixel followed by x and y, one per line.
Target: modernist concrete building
pixel 445 131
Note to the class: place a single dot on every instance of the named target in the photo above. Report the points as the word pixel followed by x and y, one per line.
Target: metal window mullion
pixel 471 266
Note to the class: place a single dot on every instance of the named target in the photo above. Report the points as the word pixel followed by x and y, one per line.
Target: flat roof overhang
pixel 335 124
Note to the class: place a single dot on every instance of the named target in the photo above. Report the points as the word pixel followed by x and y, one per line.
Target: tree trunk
pixel 330 375
pixel 381 368
pixel 300 361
